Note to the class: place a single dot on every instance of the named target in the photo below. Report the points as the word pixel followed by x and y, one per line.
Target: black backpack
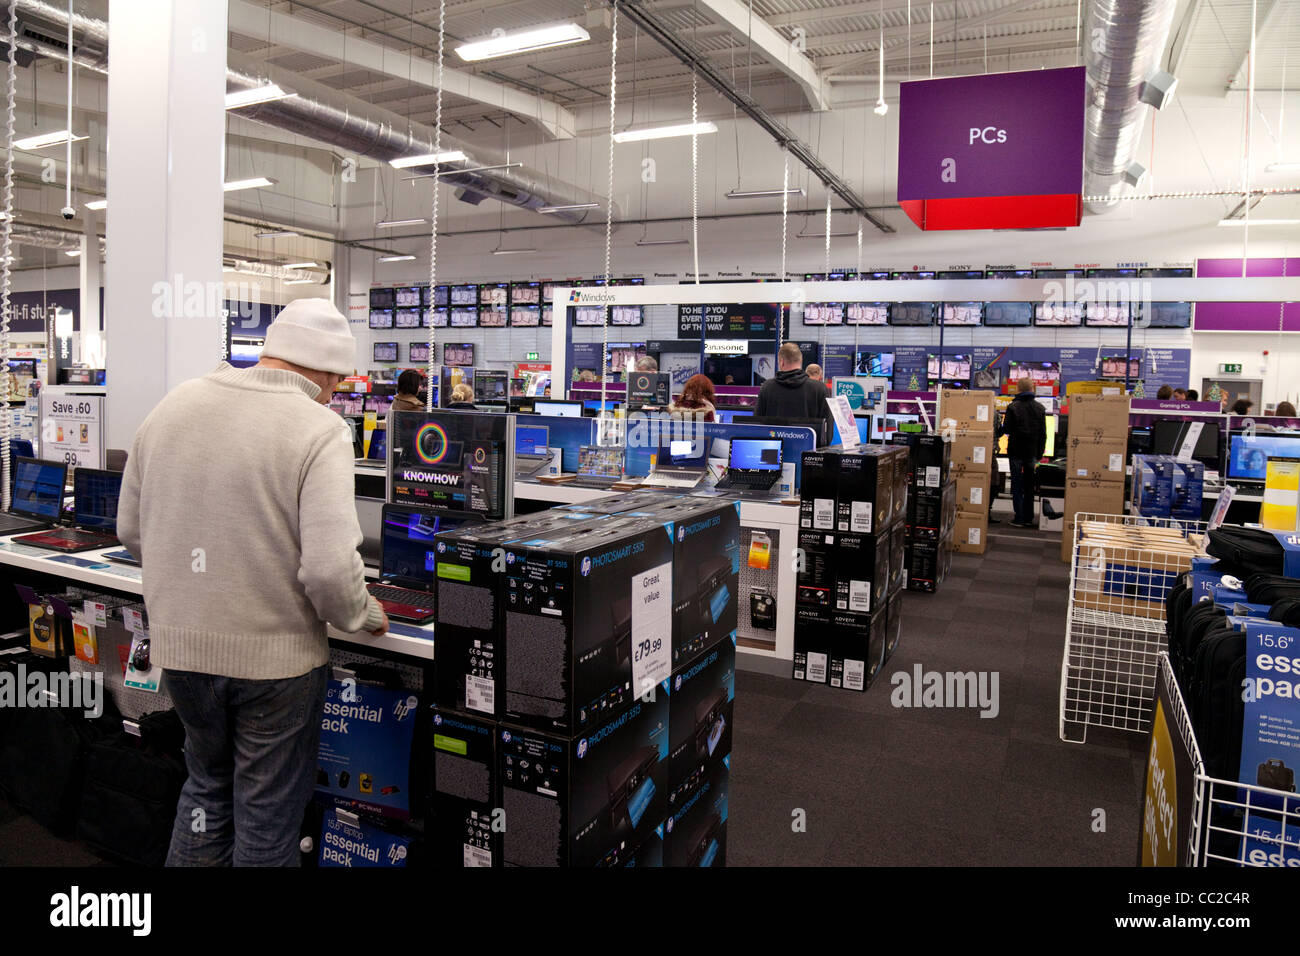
pixel 1246 551
pixel 1218 710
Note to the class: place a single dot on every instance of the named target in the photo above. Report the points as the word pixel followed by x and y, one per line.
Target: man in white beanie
pixel 238 498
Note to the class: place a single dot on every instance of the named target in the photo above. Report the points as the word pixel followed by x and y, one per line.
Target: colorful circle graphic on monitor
pixel 431 443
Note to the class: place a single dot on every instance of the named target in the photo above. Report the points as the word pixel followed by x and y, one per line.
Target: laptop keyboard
pixel 404 596
pixel 741 480
pixel 70 537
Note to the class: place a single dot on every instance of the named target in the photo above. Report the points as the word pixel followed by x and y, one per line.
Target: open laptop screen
pixel 755 454
pixel 683 453
pixel 38 488
pixel 531 439
pixel 595 461
pixel 94 498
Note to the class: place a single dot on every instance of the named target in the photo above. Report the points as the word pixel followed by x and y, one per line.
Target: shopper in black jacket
pixel 1025 425
pixel 792 394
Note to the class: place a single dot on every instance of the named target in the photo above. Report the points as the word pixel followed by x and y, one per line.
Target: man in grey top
pixel 238 498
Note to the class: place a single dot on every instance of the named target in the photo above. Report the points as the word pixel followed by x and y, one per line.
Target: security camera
pixel 68 212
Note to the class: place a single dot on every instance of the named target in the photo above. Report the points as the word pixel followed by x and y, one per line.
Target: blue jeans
pixel 1022 489
pixel 250 747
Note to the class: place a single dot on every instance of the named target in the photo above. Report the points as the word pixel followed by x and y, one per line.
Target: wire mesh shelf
pixel 1122 569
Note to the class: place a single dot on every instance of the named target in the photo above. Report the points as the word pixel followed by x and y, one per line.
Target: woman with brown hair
pixel 696 399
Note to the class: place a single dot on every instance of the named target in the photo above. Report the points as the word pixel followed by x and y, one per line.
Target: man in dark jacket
pixel 1025 425
pixel 792 394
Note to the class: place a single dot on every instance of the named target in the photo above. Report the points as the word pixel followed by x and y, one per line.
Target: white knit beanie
pixel 313 334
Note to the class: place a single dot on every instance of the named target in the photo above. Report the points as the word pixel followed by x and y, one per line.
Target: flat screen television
pixel 382 299
pixel 381 318
pixel 626 315
pixel 961 274
pixel 406 318
pixel 589 315
pixel 525 293
pixel 435 318
pixel 525 316
pixel 1040 373
pixel 464 295
pixel 440 297
pixel 911 275
pixel 1164 315
pixel 407 297
pixel 417 352
pixel 877 364
pixel 1107 314
pixel 1009 273
pixel 458 356
pixel 1168 437
pixel 911 313
pixel 462 318
pixel 1248 455
pixel 823 313
pixel 1009 314
pixel 1058 314
pixel 1059 273
pixel 953 368
pixel 548 316
pixel 385 351
pixel 623 353
pixel 1112 366
pixel 866 313
pixel 492 317
pixel 962 313
pixel 494 295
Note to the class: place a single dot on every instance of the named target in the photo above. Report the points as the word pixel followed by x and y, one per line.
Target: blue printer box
pixel 1188 489
pixel 1153 477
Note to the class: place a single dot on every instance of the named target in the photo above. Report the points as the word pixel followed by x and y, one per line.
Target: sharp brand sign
pixel 1003 150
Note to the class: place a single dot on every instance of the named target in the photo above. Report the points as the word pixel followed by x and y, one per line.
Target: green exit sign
pixel 534 356
pixel 1230 369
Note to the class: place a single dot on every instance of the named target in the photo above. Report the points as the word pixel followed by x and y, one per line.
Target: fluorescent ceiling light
pixel 523 42
pixel 97 204
pixel 257 182
pixel 1260 222
pixel 275 234
pixel 395 258
pixel 510 252
pixel 73 253
pixel 663 242
pixel 664 132
pixel 571 206
pixel 822 235
pixel 390 223
pixel 1282 167
pixel 301 265
pixel 764 193
pixel 258 94
pixel 428 159
pixel 297 281
pixel 46 139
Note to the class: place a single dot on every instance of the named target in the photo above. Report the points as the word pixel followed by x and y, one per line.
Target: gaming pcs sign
pixel 999 151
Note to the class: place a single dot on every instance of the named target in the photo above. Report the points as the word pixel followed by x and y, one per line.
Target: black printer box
pixel 700 717
pixel 811 651
pixel 695 833
pixel 864 500
pixel 467 822
pixel 706 572
pixel 818 487
pixel 856 649
pixel 844 572
pixel 586 800
pixel 893 623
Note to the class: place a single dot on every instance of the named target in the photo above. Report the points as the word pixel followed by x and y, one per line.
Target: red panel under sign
pixel 996 212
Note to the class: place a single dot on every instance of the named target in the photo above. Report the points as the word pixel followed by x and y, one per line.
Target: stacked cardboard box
pixel 1128 569
pixel 931 511
pixel 588 697
pixel 849 519
pixel 968 418
pixel 1096 459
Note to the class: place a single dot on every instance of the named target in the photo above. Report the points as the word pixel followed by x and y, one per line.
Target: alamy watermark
pixel 37 688
pixel 178 297
pixel 921 688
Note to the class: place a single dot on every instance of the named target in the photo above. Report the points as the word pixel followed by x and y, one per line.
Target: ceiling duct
pixel 341 120
pixel 1123 43
pixel 47 238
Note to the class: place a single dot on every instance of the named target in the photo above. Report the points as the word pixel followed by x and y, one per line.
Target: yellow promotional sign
pixel 1160 833
pixel 1278 510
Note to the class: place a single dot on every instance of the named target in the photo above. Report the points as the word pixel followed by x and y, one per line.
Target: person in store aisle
pixel 792 394
pixel 647 363
pixel 1180 395
pixel 697 399
pixel 1025 425
pixel 1285 410
pixel 1193 395
pixel 993 466
pixel 1242 406
pixel 1165 394
pixel 462 397
pixel 814 372
pixel 408 392
pixel 238 498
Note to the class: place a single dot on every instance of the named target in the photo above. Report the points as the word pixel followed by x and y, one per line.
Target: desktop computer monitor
pixel 557 408
pixel 1248 455
pixel 1168 438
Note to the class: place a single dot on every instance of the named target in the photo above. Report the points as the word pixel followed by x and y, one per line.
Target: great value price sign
pixel 72 429
pixel 999 151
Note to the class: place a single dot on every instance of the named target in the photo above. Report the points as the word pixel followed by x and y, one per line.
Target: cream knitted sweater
pixel 238 499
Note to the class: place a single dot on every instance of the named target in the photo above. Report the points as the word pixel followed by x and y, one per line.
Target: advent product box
pixel 585 800
pixel 973 492
pixel 970 535
pixel 706 572
pixel 700 718
pixel 848 572
pixel 972 452
pixel 811 629
pixel 856 648
pixel 929 460
pixel 1153 485
pixel 865 492
pixel 925 513
pixel 470 599
pixel 897 557
pixel 1188 490
pixel 466 827
pixel 967 406
pixel 818 481
pixel 927 565
pixel 902 481
pixel 695 832
pixel 893 624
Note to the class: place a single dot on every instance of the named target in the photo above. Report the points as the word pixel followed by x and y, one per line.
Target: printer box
pixel 927 565
pixel 700 718
pixel 846 572
pixel 619 504
pixel 819 479
pixel 695 832
pixel 1188 490
pixel 967 407
pixel 585 800
pixel 973 492
pixel 864 499
pixel 814 570
pixel 971 534
pixel 929 458
pixel 706 572
pixel 1153 486
pixel 972 452
pixel 812 628
pixel 902 481
pixel 857 648
pixel 893 624
pixel 897 557
pixel 470 603
pixel 467 824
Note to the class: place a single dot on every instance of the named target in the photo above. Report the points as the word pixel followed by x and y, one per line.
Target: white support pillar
pixel 166 132
pixel 92 273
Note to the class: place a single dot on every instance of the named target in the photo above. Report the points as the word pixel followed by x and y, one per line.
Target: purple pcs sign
pixel 1000 134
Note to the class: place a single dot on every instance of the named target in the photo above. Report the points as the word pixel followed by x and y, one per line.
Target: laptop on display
pixel 681 463
pixel 408 561
pixel 95 494
pixel 37 500
pixel 532 453
pixel 599 466
pixel 753 464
